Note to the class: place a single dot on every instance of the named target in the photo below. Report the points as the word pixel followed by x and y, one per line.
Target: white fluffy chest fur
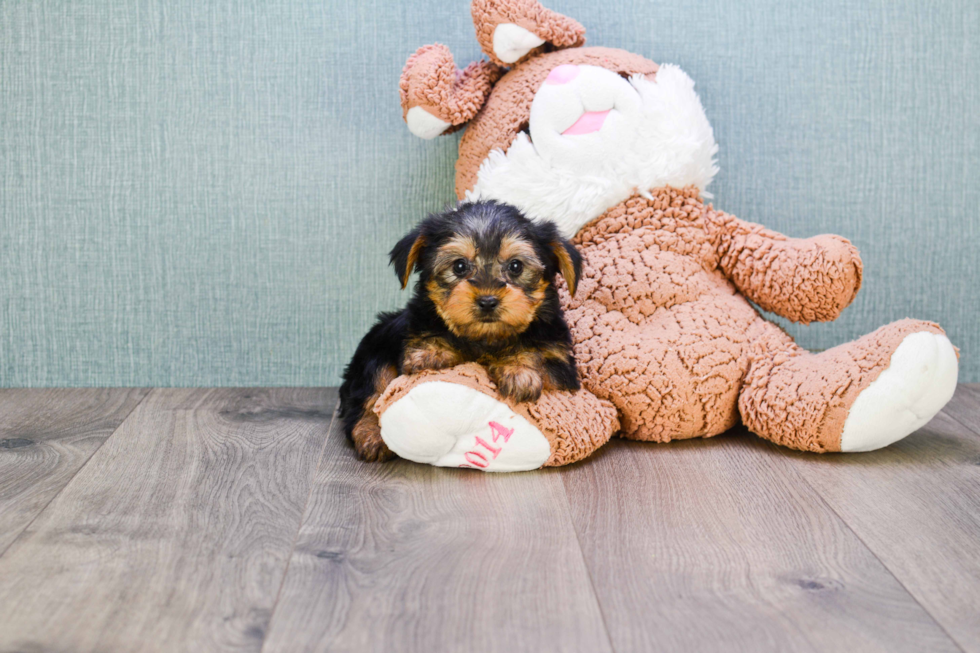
pixel 596 139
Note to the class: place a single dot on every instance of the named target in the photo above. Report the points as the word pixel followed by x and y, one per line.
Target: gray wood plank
pixel 45 438
pixel 965 406
pixel 710 545
pixel 916 505
pixel 406 557
pixel 176 534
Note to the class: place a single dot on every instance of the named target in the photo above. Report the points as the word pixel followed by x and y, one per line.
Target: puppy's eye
pixel 460 266
pixel 515 268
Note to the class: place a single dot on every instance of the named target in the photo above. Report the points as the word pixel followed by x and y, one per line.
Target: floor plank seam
pixel 588 572
pixel 975 430
pixel 299 527
pixel 873 553
pixel 40 512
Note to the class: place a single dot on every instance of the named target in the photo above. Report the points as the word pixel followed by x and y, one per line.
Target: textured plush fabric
pixel 594 420
pixel 806 281
pixel 662 329
pixel 196 192
pixel 430 80
pixel 801 400
pixel 556 29
pixel 664 334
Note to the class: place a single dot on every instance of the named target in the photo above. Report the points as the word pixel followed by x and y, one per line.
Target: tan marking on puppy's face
pixel 458 309
pixel 458 248
pixel 467 268
pixel 513 247
pixel 519 307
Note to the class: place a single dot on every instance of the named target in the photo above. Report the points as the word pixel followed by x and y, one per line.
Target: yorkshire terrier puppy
pixel 485 294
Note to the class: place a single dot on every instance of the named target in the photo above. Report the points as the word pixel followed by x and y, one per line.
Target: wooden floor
pixel 214 520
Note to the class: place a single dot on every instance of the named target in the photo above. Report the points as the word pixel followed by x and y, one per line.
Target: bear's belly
pixel 658 330
pixel 661 337
pixel 674 375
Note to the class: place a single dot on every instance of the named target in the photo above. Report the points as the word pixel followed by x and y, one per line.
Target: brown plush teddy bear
pixel 618 152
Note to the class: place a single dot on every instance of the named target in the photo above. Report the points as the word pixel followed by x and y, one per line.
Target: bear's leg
pixel 860 396
pixel 455 418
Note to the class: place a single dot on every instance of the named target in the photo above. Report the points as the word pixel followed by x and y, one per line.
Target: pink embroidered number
pixel 471 457
pixel 478 460
pixel 499 431
pixel 489 447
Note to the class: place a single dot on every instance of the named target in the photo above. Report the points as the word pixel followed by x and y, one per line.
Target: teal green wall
pixel 202 192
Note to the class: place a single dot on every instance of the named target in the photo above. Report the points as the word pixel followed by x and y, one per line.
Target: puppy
pixel 485 294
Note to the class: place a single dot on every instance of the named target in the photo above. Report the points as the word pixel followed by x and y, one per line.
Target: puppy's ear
pixel 569 262
pixel 405 255
pixel 567 258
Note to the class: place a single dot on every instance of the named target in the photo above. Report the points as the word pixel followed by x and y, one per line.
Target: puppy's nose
pixel 487 303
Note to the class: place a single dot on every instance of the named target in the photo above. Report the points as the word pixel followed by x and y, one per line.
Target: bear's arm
pixel 804 280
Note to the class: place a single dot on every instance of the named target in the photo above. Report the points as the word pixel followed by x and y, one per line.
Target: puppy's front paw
pixel 367 440
pixel 430 356
pixel 518 382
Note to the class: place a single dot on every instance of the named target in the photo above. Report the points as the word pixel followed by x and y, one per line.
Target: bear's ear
pixel 405 255
pixel 510 31
pixel 436 97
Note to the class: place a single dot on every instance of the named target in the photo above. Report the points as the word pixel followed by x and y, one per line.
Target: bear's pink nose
pixel 562 74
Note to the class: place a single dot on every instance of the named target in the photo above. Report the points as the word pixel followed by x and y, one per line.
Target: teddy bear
pixel 618 152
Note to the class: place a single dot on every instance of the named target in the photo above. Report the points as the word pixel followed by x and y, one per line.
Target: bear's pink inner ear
pixel 436 97
pixel 510 31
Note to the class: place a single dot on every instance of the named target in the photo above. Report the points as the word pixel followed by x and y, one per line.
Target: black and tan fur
pixel 485 294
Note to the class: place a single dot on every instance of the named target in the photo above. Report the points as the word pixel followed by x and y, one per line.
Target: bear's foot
pixel 455 418
pixel 919 381
pixel 860 396
pixel 451 425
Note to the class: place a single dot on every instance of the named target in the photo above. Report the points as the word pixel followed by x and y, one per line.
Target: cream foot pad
pixel 919 381
pixel 451 425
